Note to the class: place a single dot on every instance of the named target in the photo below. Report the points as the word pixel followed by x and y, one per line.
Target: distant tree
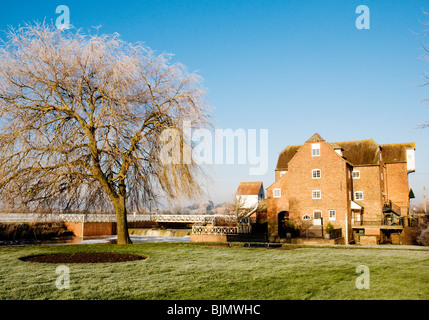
pixel 80 121
pixel 240 207
pixel 177 209
pixel 210 205
pixel 411 194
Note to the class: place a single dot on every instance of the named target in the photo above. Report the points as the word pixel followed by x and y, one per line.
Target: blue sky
pixel 292 67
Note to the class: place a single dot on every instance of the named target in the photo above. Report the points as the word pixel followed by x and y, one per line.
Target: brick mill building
pixel 360 187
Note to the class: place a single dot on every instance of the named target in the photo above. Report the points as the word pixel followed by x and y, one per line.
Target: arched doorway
pixel 281 223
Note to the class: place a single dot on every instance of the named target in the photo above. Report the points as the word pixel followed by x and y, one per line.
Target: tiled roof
pixel 360 152
pixel 285 156
pixel 249 188
pixel 357 152
pixel 393 153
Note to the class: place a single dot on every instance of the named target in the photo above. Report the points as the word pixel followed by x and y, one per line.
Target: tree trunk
pixel 121 217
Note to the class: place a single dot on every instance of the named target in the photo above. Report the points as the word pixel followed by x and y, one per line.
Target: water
pixel 134 239
pixel 143 235
pixel 159 232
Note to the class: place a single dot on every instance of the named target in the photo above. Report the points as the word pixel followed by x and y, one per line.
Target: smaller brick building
pixel 358 186
pixel 249 194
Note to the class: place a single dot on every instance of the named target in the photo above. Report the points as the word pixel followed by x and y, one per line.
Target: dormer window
pixel 339 151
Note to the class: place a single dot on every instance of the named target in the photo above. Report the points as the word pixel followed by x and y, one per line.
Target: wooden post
pixel 347 228
pixel 424 199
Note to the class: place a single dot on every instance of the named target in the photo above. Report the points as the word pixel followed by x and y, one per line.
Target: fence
pixel 336 233
pixel 198 229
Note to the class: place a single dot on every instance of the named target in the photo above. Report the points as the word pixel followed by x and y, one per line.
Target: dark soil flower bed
pixel 84 257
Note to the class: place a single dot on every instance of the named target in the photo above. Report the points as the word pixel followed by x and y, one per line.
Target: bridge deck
pixel 78 217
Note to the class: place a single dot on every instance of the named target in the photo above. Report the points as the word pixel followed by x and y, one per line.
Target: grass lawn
pixel 190 271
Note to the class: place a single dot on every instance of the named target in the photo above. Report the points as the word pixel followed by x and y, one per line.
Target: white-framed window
pixel 315 149
pixel 316 173
pixel 282 173
pixel 332 215
pixel 359 195
pixel 277 193
pixel 317 214
pixel 306 217
pixel 356 174
pixel 316 194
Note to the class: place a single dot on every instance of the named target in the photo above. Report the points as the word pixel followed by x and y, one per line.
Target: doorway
pixel 317 218
pixel 281 223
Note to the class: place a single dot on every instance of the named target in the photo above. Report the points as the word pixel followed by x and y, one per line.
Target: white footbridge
pixel 133 217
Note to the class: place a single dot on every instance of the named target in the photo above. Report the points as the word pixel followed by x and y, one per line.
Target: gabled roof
pixel 356 152
pixel 315 138
pixel 249 188
pixel 393 153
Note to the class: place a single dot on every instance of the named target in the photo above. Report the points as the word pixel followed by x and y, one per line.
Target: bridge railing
pixel 93 217
pixel 180 218
pixel 28 217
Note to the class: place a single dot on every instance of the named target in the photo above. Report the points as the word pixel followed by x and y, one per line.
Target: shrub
pixel 38 230
pixel 290 227
pixel 224 222
pixel 329 227
pixel 423 234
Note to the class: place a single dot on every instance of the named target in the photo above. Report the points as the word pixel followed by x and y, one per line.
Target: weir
pixel 160 232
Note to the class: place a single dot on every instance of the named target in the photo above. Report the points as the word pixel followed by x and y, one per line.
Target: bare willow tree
pixel 80 121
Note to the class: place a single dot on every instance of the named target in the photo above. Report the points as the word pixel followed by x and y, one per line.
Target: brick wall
pixel 397 188
pixel 208 237
pixel 297 186
pixel 333 185
pixel 370 184
pixel 369 240
pixel 276 205
pixel 378 183
pixel 81 229
pixel 408 236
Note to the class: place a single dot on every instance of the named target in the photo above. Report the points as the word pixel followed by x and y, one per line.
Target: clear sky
pixel 292 67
